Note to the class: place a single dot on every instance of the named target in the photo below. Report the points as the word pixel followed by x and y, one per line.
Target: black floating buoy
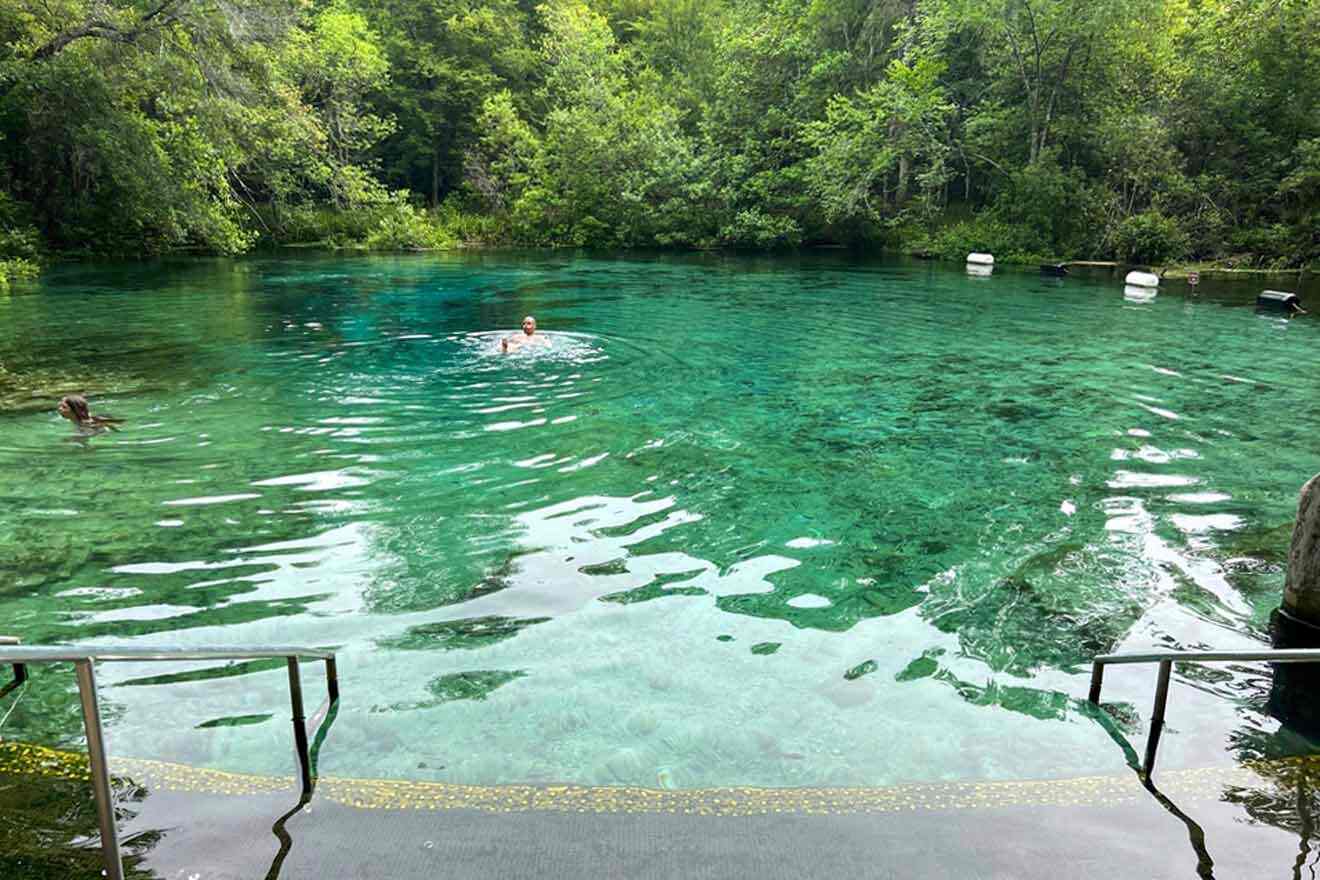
pixel 1279 301
pixel 1058 270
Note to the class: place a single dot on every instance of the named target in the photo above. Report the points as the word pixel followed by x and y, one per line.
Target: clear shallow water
pixel 809 521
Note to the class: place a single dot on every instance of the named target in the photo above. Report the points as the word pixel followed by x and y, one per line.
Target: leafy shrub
pixel 754 228
pixel 17 268
pixel 469 226
pixel 1150 237
pixel 1269 245
pixel 402 226
pixel 392 224
pixel 983 233
pixel 19 239
pixel 23 243
pixel 319 224
pixel 1049 209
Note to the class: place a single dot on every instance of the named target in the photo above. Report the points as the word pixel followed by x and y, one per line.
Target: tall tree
pixel 446 58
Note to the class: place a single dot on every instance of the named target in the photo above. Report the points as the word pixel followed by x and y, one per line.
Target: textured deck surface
pixel 184 822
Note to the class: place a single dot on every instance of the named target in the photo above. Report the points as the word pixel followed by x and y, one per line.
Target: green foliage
pixel 395 223
pixel 606 165
pixel 983 233
pixel 499 164
pixel 1246 247
pixel 20 242
pixel 320 225
pixel 872 148
pixel 130 131
pixel 403 226
pixel 1143 130
pixel 1149 238
pixel 1046 206
pixel 16 268
pixel 755 229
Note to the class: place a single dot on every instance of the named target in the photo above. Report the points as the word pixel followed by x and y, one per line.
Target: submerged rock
pixel 471 632
pixel 474 685
pixel 642 722
pixel 1301 590
pixel 923 667
pixel 861 669
pixel 623 766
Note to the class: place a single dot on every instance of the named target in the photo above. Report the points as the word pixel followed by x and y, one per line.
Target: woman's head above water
pixel 75 409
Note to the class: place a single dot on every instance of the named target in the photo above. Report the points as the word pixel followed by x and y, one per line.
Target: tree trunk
pixel 894 132
pixel 435 175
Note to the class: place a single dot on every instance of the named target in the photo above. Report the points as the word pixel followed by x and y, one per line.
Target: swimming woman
pixel 75 409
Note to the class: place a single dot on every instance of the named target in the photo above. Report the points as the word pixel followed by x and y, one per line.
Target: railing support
pixel 1097 681
pixel 300 727
pixel 1166 659
pixel 12 653
pixel 20 669
pixel 1157 716
pixel 105 805
pixel 331 679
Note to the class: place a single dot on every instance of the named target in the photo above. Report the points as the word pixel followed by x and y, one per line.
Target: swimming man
pixel 529 336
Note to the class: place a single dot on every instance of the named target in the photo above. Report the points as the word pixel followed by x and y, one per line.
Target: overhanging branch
pixel 161 16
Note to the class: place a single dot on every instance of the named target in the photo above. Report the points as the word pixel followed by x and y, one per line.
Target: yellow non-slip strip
pixel 22 759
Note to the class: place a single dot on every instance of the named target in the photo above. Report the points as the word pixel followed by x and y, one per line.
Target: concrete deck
pixel 181 822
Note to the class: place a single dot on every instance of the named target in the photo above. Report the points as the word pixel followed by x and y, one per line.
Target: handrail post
pixel 299 726
pixel 1157 716
pixel 20 669
pixel 332 679
pixel 1097 681
pixel 105 807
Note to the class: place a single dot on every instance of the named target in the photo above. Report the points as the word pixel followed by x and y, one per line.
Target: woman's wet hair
pixel 78 408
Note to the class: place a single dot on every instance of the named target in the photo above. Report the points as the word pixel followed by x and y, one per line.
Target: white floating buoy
pixel 1136 293
pixel 980 259
pixel 1142 279
pixel 979 270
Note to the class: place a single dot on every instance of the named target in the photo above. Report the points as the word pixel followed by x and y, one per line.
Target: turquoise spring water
pixel 764 522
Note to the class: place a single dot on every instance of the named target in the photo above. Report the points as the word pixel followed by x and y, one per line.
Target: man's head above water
pixel 529 336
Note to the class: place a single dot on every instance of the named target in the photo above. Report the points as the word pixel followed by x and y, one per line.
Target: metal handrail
pixel 1166 659
pixel 19 658
pixel 20 671
pixel 62 654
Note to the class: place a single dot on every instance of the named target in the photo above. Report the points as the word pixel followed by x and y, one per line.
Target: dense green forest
pixel 1142 130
